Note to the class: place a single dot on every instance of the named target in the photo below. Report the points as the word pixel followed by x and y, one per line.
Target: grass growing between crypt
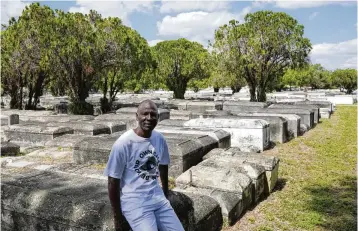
pixel 317 181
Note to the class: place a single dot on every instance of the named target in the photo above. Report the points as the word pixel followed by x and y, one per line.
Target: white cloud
pixel 121 9
pixel 313 15
pixel 200 25
pixel 197 26
pixel 187 6
pixel 154 42
pixel 335 55
pixel 295 4
pixel 10 9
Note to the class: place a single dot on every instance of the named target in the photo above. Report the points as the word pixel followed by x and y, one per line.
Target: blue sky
pixel 330 25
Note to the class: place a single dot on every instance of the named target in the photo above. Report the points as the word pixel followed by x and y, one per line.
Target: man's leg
pixel 167 219
pixel 141 219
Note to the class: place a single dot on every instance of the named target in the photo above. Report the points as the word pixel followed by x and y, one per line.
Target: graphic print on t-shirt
pixel 146 166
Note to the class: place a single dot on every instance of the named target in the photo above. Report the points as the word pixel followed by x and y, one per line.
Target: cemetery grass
pixel 317 182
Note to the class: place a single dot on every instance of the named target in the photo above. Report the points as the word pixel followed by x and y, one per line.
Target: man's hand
pixel 114 197
pixel 163 169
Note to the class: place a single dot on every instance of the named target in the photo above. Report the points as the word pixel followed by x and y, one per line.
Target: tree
pixel 74 53
pixel 346 79
pixel 36 30
pixel 142 64
pixel 290 78
pixel 224 74
pixel 124 59
pixel 178 62
pixel 262 47
pixel 318 77
pixel 25 57
pixel 11 64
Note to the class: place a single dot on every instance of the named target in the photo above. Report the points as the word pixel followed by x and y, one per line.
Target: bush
pixel 80 108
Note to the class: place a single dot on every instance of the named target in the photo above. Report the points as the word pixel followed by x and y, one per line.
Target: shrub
pixel 80 108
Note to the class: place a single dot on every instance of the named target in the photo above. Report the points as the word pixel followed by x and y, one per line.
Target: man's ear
pixel 136 116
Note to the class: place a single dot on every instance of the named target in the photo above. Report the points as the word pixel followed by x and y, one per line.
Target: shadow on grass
pixel 271 145
pixel 280 184
pixel 337 204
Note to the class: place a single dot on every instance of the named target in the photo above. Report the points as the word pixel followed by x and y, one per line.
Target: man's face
pixel 147 117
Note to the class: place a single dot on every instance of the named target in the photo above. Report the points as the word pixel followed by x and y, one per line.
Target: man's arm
pixel 163 169
pixel 114 197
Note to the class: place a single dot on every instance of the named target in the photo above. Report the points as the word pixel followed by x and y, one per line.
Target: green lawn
pixel 317 181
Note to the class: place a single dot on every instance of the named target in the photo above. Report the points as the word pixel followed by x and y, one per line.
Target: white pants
pixel 153 217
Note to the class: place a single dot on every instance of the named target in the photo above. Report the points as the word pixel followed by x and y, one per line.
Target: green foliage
pixel 314 76
pixel 346 79
pixel 290 77
pixel 180 61
pixel 318 77
pixel 223 73
pixel 125 59
pixel 25 47
pixel 71 53
pixel 261 48
pixel 75 52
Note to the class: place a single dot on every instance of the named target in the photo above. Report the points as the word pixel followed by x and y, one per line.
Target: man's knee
pixel 167 219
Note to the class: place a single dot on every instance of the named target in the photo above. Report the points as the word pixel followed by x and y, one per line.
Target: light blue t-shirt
pixel 135 161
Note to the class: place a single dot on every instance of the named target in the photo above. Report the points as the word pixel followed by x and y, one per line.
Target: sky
pixel 331 26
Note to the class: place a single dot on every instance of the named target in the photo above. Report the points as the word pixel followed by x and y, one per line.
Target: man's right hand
pixel 114 197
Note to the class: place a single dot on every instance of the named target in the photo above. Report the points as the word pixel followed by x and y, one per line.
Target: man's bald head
pixel 146 104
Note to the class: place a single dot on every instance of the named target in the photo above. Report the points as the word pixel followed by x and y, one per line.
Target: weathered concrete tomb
pixel 131 111
pixel 293 121
pixel 31 199
pixel 9 149
pixel 270 163
pixel 55 118
pixel 307 116
pixel 278 125
pixel 10 119
pixel 240 106
pixel 35 133
pixel 223 137
pixel 200 106
pixel 230 188
pixel 185 151
pixel 313 108
pixel 129 120
pixel 247 134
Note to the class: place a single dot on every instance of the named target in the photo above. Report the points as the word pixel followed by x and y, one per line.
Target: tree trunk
pixel 28 106
pixel 178 85
pixel 179 92
pixel 261 94
pixel 20 98
pixel 235 89
pixel 38 88
pixel 14 97
pixel 30 95
pixel 252 94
